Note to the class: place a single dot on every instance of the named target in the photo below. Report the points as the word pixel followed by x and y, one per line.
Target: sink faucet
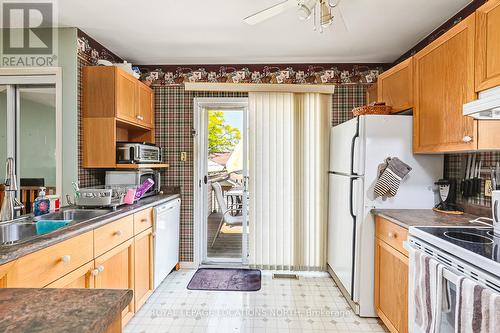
pixel 10 204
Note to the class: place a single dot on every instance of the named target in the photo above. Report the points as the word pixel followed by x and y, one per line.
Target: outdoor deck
pixel 228 244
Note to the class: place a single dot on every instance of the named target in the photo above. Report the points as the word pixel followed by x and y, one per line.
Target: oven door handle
pixel 451 276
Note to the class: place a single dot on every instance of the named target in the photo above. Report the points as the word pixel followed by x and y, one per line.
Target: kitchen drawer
pixel 113 234
pixel 38 269
pixel 143 220
pixel 391 233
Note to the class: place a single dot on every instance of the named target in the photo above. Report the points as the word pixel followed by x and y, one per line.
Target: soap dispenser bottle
pixel 41 205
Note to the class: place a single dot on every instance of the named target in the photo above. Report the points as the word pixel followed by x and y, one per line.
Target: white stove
pixel 477 246
pixel 463 252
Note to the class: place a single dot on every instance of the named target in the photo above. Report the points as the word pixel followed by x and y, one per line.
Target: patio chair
pixel 226 218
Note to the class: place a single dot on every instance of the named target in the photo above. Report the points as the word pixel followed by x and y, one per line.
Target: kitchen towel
pixel 425 292
pixel 391 173
pixel 477 308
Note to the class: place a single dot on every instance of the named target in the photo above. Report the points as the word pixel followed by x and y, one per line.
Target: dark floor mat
pixel 226 279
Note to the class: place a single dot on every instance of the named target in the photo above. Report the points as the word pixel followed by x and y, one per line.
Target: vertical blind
pixel 288 156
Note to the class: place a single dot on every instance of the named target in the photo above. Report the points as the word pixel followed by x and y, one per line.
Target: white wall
pixel 67 60
pixel 3 133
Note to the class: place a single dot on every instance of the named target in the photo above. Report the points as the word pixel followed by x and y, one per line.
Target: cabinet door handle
pixel 100 268
pixel 140 117
pixel 66 258
pixel 119 233
pixel 144 220
pixel 467 138
pixel 392 235
pixel 94 272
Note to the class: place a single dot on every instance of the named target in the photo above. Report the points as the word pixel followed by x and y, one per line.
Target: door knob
pixel 66 258
pixel 100 268
pixel 119 233
pixel 467 139
pixel 94 272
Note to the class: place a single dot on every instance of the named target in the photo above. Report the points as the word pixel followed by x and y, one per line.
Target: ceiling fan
pixel 323 12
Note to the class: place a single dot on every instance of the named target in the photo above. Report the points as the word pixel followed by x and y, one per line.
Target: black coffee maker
pixel 448 196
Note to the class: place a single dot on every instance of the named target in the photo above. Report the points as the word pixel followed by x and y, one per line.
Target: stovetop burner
pixel 481 241
pixel 492 234
pixel 468 237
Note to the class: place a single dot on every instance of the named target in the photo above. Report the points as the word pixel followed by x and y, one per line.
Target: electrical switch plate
pixel 487 188
pixel 183 156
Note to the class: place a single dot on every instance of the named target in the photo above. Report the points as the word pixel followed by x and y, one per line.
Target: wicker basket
pixel 380 108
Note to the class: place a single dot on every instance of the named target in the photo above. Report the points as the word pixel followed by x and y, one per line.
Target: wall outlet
pixel 183 156
pixel 487 188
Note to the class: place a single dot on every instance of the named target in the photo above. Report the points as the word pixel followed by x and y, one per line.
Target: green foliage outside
pixel 221 136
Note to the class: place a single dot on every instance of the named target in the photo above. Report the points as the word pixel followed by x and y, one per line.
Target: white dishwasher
pixel 166 239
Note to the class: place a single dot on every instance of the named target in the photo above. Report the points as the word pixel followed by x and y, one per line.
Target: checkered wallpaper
pixel 454 168
pixel 346 98
pixel 174 121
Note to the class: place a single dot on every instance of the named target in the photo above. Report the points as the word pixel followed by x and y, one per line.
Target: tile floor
pixel 311 304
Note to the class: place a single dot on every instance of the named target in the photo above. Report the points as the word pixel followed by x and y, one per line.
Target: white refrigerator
pixel 357 147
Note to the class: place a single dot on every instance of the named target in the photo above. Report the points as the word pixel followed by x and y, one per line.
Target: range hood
pixel 487 107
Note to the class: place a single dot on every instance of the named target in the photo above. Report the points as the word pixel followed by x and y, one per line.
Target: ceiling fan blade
pixel 268 12
pixel 337 16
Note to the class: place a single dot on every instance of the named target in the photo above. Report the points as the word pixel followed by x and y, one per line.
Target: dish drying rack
pixel 110 196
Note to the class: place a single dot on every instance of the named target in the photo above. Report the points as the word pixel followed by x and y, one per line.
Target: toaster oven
pixel 133 152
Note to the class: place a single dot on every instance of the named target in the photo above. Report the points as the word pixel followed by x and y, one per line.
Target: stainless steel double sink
pixel 24 228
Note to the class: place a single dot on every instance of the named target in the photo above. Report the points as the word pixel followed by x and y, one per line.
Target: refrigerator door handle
pixel 353 249
pixel 351 198
pixel 354 144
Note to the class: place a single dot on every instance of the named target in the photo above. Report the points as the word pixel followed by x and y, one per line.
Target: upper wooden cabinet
pixel 395 86
pixel 443 82
pixel 116 107
pixel 108 92
pixel 488 45
pixel 144 105
pixel 126 96
pixel 372 94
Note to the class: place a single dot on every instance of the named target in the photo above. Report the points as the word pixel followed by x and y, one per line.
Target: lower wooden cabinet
pixel 143 259
pixel 82 277
pixel 110 257
pixel 391 283
pixel 38 269
pixel 116 271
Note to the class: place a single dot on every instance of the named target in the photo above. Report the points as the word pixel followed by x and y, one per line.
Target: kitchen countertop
pixel 61 310
pixel 12 252
pixel 425 217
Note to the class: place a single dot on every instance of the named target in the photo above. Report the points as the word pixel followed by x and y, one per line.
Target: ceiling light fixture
pixel 320 10
pixel 306 9
pixel 326 17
